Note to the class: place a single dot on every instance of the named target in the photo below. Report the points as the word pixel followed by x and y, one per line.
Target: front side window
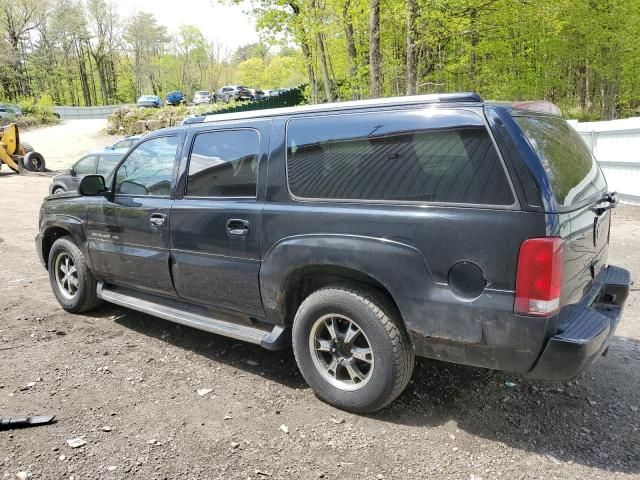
pixel 224 164
pixel 86 166
pixel 149 168
pixel 424 156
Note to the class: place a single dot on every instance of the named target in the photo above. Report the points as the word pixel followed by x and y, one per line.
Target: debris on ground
pixel 76 442
pixel 21 422
pixel 204 391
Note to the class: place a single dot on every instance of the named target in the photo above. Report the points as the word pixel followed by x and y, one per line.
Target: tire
pixel 26 147
pixel 84 298
pixel 34 162
pixel 382 374
pixel 58 191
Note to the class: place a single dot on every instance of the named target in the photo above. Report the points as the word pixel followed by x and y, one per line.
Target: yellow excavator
pixel 18 156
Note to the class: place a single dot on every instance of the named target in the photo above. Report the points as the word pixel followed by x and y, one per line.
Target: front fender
pixel 400 268
pixel 71 224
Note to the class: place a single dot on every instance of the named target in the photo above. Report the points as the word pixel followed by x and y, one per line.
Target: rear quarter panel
pixel 410 250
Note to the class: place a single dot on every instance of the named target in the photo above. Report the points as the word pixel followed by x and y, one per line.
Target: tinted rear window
pixel 396 156
pixel 573 172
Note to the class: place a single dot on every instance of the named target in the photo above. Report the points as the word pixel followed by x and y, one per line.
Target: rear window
pixel 224 164
pixel 573 172
pixel 421 156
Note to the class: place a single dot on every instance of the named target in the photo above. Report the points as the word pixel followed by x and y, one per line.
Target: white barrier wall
pixel 79 113
pixel 616 145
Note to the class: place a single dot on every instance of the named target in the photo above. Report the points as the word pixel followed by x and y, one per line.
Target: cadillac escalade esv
pixel 362 233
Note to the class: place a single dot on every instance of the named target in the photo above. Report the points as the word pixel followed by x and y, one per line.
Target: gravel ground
pixel 128 385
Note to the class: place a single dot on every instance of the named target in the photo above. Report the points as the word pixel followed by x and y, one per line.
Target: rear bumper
pixel 585 328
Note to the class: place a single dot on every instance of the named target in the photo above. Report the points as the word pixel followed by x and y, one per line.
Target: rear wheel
pixel 71 280
pixel 34 162
pixel 351 348
pixel 26 147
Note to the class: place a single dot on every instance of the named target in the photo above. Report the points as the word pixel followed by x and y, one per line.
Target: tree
pixel 145 42
pixel 374 49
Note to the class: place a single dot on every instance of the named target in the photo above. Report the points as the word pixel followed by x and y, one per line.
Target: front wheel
pixel 71 280
pixel 351 348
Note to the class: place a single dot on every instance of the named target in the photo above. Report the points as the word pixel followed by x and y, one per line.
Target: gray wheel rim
pixel 66 275
pixel 341 352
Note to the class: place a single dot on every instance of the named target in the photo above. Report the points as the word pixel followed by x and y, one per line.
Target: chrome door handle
pixel 237 227
pixel 158 219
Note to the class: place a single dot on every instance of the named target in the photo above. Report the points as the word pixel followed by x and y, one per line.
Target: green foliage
pixel 581 54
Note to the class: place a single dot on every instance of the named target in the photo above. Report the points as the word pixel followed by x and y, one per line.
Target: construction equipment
pixel 18 156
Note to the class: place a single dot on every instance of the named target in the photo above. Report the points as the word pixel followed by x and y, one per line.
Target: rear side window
pixel 424 156
pixel 572 170
pixel 106 164
pixel 224 164
pixel 85 166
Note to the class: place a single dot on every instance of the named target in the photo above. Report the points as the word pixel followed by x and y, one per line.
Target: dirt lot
pixel 65 143
pixel 127 384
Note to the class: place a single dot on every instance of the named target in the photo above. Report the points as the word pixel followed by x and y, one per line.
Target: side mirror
pixel 92 186
pixel 72 172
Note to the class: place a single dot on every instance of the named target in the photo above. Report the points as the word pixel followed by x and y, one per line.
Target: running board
pixel 273 339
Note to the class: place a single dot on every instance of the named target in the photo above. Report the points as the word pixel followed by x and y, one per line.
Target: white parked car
pixel 202 97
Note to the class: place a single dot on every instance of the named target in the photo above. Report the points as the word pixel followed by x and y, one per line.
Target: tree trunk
pixel 323 67
pixel 411 57
pixel 352 53
pixel 306 52
pixel 374 48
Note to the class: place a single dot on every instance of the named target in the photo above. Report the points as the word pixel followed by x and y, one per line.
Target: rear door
pixel 216 222
pixel 578 186
pixel 129 232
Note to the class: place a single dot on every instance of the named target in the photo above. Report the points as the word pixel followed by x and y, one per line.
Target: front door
pixel 215 225
pixel 128 233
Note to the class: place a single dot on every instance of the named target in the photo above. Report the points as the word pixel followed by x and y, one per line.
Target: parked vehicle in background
pixel 124 144
pixel 258 94
pixel 232 93
pixel 365 233
pixel 149 101
pixel 9 112
pixel 93 163
pixel 175 98
pixel 202 97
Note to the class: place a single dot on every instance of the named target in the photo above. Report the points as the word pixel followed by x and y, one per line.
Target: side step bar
pixel 273 339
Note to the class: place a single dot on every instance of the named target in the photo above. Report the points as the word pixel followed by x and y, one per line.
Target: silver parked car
pixel 124 144
pixel 99 162
pixel 202 97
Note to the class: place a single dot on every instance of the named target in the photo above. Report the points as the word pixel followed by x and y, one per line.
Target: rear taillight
pixel 539 276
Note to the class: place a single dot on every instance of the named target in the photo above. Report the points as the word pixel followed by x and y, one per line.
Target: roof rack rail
pixel 460 97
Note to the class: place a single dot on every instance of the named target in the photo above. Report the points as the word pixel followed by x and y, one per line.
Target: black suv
pixel 363 232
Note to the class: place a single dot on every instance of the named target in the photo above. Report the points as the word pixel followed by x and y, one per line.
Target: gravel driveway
pixel 65 143
pixel 154 400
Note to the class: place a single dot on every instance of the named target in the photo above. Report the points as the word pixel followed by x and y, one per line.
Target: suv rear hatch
pixel 583 205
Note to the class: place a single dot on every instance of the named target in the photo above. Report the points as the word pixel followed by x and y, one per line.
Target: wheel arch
pixel 297 266
pixel 57 229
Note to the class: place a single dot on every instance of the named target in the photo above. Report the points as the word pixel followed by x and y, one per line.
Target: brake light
pixel 539 276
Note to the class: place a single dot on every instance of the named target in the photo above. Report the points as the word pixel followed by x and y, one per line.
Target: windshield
pixel 572 170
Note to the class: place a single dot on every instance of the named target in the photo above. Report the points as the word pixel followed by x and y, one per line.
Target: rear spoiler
pixel 539 106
